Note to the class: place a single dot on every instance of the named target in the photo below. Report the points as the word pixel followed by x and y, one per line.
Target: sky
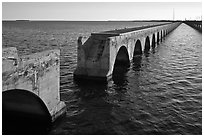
pixel 101 11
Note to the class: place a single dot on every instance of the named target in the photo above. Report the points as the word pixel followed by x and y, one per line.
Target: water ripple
pixel 161 92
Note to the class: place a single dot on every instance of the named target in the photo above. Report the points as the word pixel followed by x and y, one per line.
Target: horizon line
pixel 89 20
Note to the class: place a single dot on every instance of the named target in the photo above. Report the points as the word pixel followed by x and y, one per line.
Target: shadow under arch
pixel 147 45
pixel 122 58
pixel 90 89
pixel 138 48
pixel 122 63
pixel 164 33
pixel 161 35
pixel 157 37
pixel 153 41
pixel 23 112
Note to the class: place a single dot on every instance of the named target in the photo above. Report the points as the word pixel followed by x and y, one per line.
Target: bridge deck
pixel 117 32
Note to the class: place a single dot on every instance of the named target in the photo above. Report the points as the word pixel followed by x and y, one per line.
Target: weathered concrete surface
pixel 195 24
pixel 98 53
pixel 38 73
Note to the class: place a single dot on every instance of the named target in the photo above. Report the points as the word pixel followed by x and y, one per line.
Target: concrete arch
pixel 147 44
pixel 138 48
pixel 153 41
pixel 122 57
pixel 157 37
pixel 24 109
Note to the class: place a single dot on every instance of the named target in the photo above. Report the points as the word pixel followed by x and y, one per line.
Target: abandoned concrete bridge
pixel 99 53
pixel 194 24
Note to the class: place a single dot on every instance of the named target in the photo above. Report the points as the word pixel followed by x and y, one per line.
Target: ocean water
pixel 160 93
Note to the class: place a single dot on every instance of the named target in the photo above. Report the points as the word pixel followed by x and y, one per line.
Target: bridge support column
pixel 93 58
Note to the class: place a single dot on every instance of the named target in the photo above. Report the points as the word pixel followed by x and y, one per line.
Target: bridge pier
pixel 99 53
pixel 30 80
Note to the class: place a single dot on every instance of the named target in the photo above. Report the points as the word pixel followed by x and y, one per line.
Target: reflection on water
pixel 137 62
pixel 91 89
pixel 119 76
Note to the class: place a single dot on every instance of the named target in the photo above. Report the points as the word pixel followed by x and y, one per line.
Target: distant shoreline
pixel 96 20
pixel 22 20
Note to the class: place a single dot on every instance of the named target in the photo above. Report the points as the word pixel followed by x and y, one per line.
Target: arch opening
pixel 147 45
pixel 23 112
pixel 138 48
pixel 164 34
pixel 153 41
pixel 157 37
pixel 122 57
pixel 122 62
pixel 161 35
